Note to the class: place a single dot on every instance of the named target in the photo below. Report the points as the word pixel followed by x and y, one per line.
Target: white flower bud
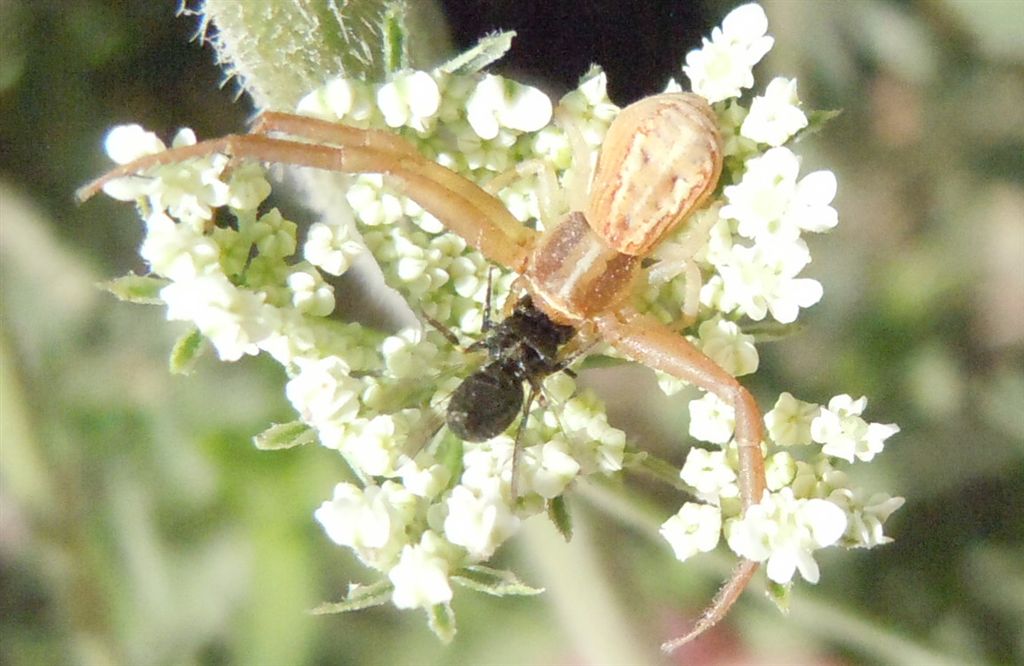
pixel 126 143
pixel 498 102
pixel 411 98
pixel 330 248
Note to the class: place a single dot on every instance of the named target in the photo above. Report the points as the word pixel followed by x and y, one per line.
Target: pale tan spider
pixel 660 161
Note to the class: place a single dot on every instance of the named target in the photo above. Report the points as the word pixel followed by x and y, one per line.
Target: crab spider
pixel 660 161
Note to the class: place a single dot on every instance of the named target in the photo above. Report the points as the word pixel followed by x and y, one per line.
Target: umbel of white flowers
pixel 428 516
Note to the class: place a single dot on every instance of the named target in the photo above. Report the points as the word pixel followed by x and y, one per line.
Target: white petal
pixel 339 96
pixel 807 566
pixel 781 566
pixel 746 22
pixel 818 187
pixel 528 111
pixel 125 143
pixel 422 94
pixel 826 520
pixel 806 291
pixel 392 105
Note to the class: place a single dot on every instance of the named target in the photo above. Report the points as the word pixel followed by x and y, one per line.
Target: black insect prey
pixel 522 348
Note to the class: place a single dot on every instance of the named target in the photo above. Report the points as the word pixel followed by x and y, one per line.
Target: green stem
pixel 662 470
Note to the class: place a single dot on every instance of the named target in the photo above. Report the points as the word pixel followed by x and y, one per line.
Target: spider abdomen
pixel 660 161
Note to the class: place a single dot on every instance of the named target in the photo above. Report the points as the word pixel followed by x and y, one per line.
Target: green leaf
pixel 395 38
pixel 558 512
pixel 496 582
pixel 816 121
pixel 285 436
pixel 662 470
pixel 601 361
pixel 185 352
pixel 449 454
pixel 781 595
pixel 358 598
pixel 136 288
pixel 486 51
pixel 441 619
pixel 771 331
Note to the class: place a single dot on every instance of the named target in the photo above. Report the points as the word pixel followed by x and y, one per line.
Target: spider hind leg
pixel 645 340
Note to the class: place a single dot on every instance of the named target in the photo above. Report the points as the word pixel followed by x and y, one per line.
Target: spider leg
pixel 550 196
pixel 465 209
pixel 344 136
pixel 720 605
pixel 324 131
pixel 694 239
pixel 445 332
pixel 422 438
pixel 488 324
pixel 517 448
pixel 691 297
pixel 645 340
pixel 577 180
pixel 657 346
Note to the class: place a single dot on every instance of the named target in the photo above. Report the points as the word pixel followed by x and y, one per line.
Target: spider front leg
pixel 682 251
pixel 645 340
pixel 326 132
pixel 460 205
pixel 344 136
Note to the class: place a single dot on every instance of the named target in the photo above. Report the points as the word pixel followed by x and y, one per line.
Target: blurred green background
pixel 138 525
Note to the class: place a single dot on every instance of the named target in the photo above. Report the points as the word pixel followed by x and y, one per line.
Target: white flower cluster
pixel 808 504
pixel 461 515
pixel 747 260
pixel 724 65
pixel 483 127
pixel 750 261
pixel 417 515
pixel 234 283
pixel 425 506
